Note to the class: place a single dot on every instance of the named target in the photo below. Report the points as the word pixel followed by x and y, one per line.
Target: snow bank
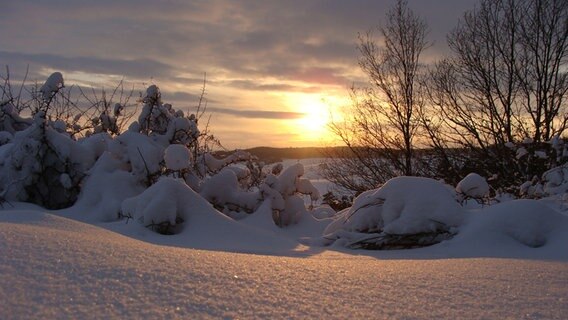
pixel 528 223
pixel 203 226
pixel 108 183
pixel 402 205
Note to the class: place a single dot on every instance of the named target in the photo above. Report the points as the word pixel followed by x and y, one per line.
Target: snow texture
pixel 61 268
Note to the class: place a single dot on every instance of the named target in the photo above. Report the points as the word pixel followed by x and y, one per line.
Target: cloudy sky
pixel 273 67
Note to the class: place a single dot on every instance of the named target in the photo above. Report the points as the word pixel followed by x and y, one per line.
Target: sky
pixel 274 69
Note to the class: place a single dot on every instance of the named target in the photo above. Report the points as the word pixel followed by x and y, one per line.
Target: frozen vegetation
pixel 158 183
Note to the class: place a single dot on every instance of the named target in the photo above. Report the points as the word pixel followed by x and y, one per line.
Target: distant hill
pixel 270 154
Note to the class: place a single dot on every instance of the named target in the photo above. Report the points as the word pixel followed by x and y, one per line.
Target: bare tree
pixel 505 82
pixel 381 125
pixel 543 73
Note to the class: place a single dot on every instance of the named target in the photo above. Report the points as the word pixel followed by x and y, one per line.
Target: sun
pixel 313 125
pixel 315 119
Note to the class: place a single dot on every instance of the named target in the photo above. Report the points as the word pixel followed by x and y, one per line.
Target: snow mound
pixel 203 227
pixel 526 222
pixel 104 190
pixel 473 186
pixel 402 206
pixel 168 201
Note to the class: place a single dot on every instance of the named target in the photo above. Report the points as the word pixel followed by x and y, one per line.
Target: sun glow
pixel 313 126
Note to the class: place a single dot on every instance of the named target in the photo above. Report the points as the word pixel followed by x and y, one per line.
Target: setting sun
pixel 316 108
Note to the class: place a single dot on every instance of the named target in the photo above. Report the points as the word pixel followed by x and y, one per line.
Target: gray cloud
pixel 257 114
pixel 259 39
pixel 248 48
pixel 256 86
pixel 138 68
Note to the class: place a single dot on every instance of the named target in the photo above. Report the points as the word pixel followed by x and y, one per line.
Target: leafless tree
pixel 381 125
pixel 506 81
pixel 543 72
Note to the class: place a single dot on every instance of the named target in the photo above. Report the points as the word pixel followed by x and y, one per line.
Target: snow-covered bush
pixel 473 186
pixel 105 187
pixel 284 190
pixel 164 122
pixel 162 207
pixel 177 157
pixel 405 212
pixel 224 192
pixel 57 157
pixel 41 163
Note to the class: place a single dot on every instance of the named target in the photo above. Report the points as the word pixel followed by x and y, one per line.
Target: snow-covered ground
pixel 53 267
pixel 508 260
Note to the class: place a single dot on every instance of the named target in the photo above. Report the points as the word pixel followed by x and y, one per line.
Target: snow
pixel 216 267
pixel 52 85
pixel 152 229
pixel 403 205
pixel 177 157
pixel 473 186
pixel 61 268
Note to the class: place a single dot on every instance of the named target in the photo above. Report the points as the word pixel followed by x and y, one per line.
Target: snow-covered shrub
pixel 533 162
pixel 473 186
pixel 141 155
pixel 10 119
pixel 177 157
pixel 215 165
pixel 162 120
pixel 57 157
pixel 51 86
pixel 338 204
pixel 43 166
pixel 552 182
pixel 107 122
pixel 405 212
pixel 224 192
pixel 162 207
pixel 284 190
pixel 106 185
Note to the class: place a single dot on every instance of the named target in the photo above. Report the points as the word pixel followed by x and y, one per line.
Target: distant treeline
pixel 271 154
